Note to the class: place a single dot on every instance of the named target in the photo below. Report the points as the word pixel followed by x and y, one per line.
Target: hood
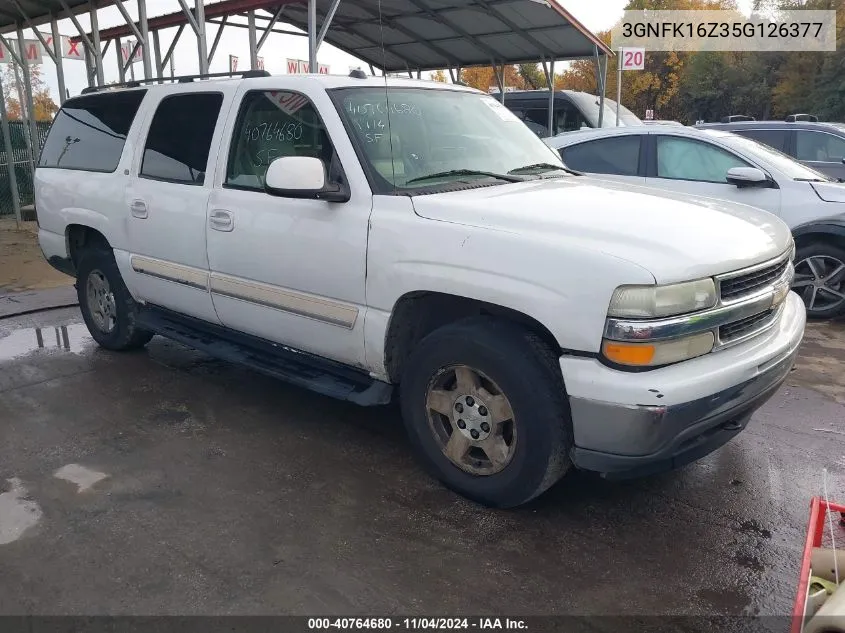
pixel 675 237
pixel 829 191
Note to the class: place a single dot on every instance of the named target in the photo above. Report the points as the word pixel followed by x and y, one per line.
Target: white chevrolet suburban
pixel 359 236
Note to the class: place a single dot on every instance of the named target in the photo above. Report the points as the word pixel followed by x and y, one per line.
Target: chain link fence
pixel 23 168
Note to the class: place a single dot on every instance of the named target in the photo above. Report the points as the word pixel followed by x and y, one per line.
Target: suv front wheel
pixel 485 408
pixel 107 307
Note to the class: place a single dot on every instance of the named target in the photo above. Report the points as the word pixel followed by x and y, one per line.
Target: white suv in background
pixel 354 234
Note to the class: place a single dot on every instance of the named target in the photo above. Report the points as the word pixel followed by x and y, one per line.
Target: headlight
pixel 658 352
pixel 660 301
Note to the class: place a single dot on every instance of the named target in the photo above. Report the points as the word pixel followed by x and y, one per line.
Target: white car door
pixel 289 270
pixel 697 167
pixel 619 158
pixel 167 199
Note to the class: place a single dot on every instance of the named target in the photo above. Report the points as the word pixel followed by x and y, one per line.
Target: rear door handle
pixel 139 209
pixel 221 220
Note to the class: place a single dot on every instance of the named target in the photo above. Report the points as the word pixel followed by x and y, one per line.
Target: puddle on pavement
pixel 83 477
pixel 17 512
pixel 69 338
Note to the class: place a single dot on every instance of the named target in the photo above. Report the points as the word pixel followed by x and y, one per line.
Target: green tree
pixel 533 78
pixel 42 102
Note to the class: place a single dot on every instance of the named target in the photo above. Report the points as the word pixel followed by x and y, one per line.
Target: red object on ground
pixel 815 529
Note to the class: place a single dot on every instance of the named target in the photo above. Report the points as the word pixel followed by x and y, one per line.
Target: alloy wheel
pixel 820 280
pixel 471 419
pixel 101 303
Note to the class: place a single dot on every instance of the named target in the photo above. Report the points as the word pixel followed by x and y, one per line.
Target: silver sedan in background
pixel 723 165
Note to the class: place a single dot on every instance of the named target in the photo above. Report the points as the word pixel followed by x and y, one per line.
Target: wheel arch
pixel 81 236
pixel 819 231
pixel 418 313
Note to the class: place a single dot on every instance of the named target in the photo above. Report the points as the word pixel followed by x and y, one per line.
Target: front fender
pixel 551 278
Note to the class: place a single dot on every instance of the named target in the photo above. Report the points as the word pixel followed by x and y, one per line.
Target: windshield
pixel 626 117
pixel 435 139
pixel 790 167
pixel 590 105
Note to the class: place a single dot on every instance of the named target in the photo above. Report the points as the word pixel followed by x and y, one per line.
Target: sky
pixel 596 15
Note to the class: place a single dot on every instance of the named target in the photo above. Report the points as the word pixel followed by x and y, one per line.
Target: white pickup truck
pixel 360 236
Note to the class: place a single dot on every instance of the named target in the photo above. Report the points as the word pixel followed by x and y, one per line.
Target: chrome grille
pixel 746 284
pixel 732 331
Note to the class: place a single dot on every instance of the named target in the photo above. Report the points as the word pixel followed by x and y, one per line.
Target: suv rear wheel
pixel 820 279
pixel 107 307
pixel 485 408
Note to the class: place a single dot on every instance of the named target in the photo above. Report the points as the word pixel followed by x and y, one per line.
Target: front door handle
pixel 221 220
pixel 139 209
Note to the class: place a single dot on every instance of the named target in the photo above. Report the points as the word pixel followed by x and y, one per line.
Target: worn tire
pixel 821 248
pixel 526 371
pixel 125 334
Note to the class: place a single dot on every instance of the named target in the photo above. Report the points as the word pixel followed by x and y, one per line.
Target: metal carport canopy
pixel 40 11
pixel 427 34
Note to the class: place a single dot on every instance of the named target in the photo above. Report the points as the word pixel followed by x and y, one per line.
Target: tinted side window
pixel 819 146
pixel 538 121
pixel 619 156
pixel 685 159
pixel 89 132
pixel 568 118
pixel 773 138
pixel 274 124
pixel 180 137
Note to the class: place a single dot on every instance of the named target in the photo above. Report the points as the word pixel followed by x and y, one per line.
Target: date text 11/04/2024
pixel 421 623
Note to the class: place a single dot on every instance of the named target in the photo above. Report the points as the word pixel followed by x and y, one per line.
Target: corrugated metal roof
pixel 431 34
pixel 400 35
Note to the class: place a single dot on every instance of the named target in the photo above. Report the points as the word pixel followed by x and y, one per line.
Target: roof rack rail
pixel 737 117
pixel 802 117
pixel 182 79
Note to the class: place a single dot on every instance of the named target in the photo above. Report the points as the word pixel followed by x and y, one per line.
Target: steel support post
pixel 599 83
pixel 217 37
pixel 169 54
pixel 618 86
pixel 253 41
pixel 327 22
pixel 499 73
pixel 551 81
pixel 157 53
pixel 27 85
pixel 312 36
pixel 17 60
pixel 58 53
pixel 10 157
pixel 269 28
pixel 95 43
pixel 121 70
pixel 145 38
pixel 202 48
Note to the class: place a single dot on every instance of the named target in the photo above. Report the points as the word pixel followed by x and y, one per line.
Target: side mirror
pixel 747 177
pixel 302 177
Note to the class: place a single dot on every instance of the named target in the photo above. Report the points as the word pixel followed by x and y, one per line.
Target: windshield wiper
pixel 466 172
pixel 546 166
pixel 811 180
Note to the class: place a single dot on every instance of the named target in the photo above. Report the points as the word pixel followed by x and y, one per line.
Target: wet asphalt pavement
pixel 165 482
